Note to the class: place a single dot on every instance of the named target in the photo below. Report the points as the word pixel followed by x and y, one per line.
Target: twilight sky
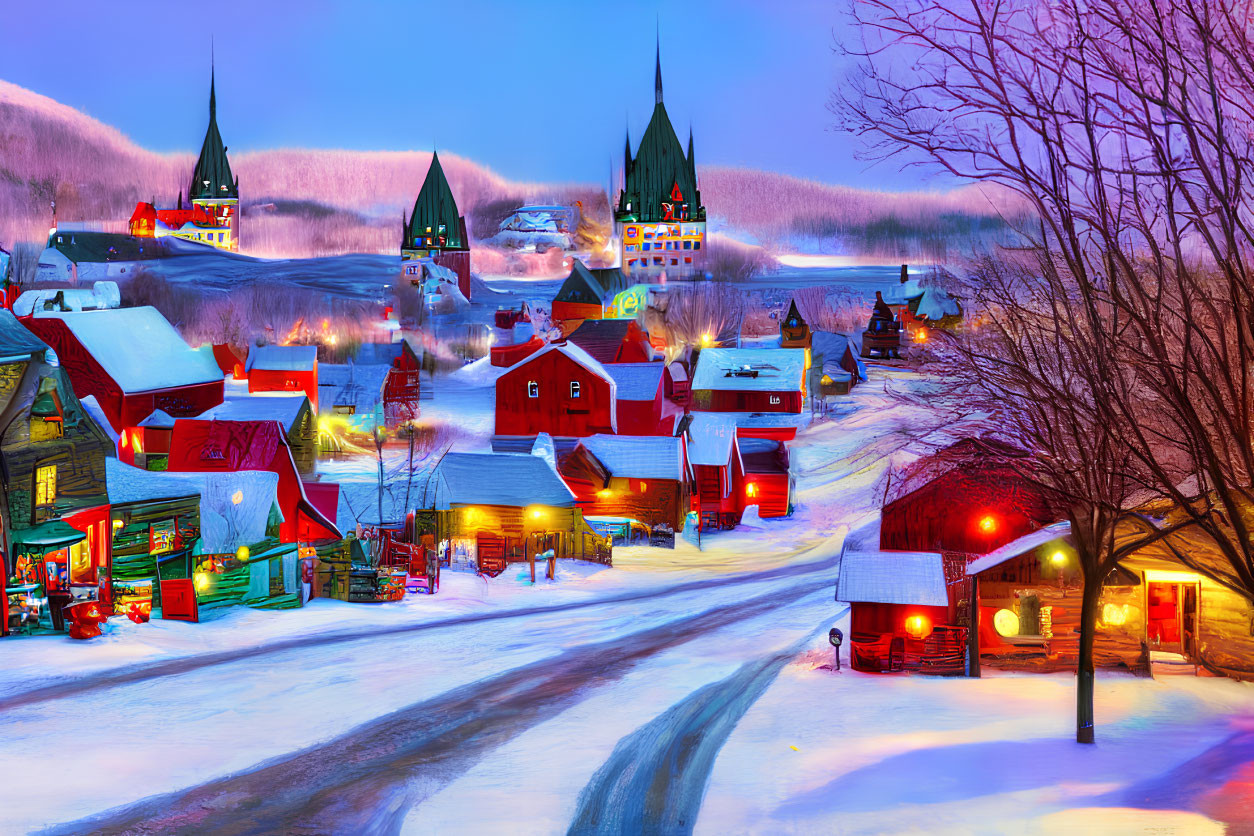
pixel 537 91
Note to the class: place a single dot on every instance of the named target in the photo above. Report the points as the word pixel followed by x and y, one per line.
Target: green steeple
pixel 212 176
pixel 660 173
pixel 435 210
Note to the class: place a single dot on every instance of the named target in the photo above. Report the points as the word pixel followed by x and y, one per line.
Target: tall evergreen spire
pixel 627 155
pixel 212 176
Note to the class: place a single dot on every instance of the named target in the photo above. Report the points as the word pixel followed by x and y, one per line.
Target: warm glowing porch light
pixel 918 627
pixel 1058 558
pixel 988 523
pixel 1006 623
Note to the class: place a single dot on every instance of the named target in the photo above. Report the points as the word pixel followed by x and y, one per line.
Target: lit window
pixel 657 259
pixel 533 389
pixel 687 259
pixel 45 485
pixel 646 247
pixel 574 388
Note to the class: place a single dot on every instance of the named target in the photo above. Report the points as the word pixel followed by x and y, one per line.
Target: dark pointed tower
pixel 212 186
pixel 435 230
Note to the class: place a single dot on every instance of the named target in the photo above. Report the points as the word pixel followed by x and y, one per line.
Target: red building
pixel 638 478
pixel 560 390
pixel 768 481
pixel 228 446
pixel 284 368
pixel 133 362
pixel 613 340
pixel 403 388
pixel 971 497
pixel 717 470
pixel 749 380
pixel 584 295
pixel 901 613
pixel 640 400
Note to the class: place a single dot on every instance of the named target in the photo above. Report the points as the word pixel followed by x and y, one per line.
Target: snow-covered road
pixel 680 691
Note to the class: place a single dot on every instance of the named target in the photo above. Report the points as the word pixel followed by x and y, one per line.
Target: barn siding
pixel 554 412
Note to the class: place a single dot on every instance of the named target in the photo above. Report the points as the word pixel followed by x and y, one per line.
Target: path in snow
pixel 366 780
pixel 656 777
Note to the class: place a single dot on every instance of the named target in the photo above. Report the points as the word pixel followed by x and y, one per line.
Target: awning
pixel 54 534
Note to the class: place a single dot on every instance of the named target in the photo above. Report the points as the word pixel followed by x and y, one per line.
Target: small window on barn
pixel 533 389
pixel 574 388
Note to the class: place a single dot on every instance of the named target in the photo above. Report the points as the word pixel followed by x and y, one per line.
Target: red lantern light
pixel 988 524
pixel 918 627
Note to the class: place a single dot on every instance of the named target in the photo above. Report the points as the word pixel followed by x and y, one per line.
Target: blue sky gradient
pixel 536 91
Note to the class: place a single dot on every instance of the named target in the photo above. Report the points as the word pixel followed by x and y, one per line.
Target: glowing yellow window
pixel 45 484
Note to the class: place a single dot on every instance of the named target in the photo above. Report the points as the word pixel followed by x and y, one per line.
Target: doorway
pixel 1171 617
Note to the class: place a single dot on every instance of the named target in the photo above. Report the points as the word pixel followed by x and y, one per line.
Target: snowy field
pixel 679 691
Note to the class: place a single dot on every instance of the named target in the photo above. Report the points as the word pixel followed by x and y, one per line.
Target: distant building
pixel 191 224
pixel 660 219
pixel 435 230
pixel 212 188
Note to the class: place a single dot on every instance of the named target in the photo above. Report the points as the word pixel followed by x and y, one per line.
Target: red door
pixel 178 600
pixel 491 551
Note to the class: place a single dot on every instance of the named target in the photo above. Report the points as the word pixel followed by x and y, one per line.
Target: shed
pixel 768 479
pixel 133 362
pixel 901 615
pixel 749 380
pixel 284 368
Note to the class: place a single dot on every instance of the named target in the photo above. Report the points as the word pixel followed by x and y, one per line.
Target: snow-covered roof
pixel 92 407
pixel 1028 542
pixel 225 524
pixel 262 406
pixel 16 341
pixel 158 419
pixel 678 372
pixel 892 578
pixel 102 294
pixel 637 381
pixel 138 348
pixel 499 479
pixel 900 294
pixel 711 436
pixel 936 304
pixel 638 457
pixel 584 359
pixel 777 369
pixel 283 358
pixel 351 384
pixel 832 347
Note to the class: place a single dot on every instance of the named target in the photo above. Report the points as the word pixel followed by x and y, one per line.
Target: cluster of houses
pixel 974 570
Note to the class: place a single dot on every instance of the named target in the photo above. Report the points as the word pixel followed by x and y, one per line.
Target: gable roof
pixel 575 353
pixel 602 338
pixel 262 406
pixel 829 347
pixel 16 342
pixel 638 457
pixel 506 479
pixel 637 381
pixel 435 207
pixel 778 369
pixel 212 176
pixel 892 578
pixel 581 287
pixel 711 438
pixel 1015 548
pixel 158 419
pixel 283 358
pixel 138 348
pixel 965 453
pixel 358 385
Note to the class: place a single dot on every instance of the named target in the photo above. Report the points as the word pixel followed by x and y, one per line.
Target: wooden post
pixel 531 559
pixel 973 629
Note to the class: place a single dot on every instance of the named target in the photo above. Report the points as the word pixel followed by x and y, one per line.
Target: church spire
pixel 213 98
pixel 657 74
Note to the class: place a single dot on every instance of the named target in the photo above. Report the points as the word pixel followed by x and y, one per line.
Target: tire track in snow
pixel 366 780
pixel 655 779
pixel 174 667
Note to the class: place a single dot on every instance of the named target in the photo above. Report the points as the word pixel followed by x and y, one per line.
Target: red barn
pixel 971 497
pixel 639 478
pixel 640 400
pixel 229 446
pixel 749 380
pixel 560 390
pixel 403 388
pixel 901 613
pixel 284 368
pixel 133 362
pixel 717 470
pixel 768 481
pixel 613 340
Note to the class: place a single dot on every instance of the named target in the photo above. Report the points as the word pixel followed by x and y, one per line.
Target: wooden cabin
pixel 749 380
pixel 793 330
pixel 54 471
pixel 133 362
pixel 585 294
pixel 613 341
pixel 293 412
pixel 767 480
pixel 970 497
pixel 640 401
pixel 717 470
pixel 835 364
pixel 902 614
pixel 1155 615
pixel 229 446
pixel 560 390
pixel 284 368
pixel 636 478
pixel 501 508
